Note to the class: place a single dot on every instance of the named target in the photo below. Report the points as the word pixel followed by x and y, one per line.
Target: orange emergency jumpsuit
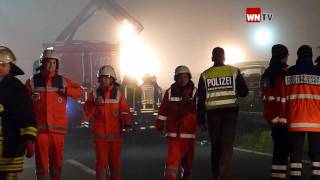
pixel 111 115
pixel 177 115
pixel 51 120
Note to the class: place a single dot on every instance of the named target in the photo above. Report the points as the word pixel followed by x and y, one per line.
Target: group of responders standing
pixel 213 106
pixel 33 116
pixel 292 107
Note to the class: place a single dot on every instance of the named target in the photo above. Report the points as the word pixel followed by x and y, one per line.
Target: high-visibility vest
pixel 220 82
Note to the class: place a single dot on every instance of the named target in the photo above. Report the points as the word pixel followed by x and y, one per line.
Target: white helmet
pixel 49 53
pixel 181 70
pixel 107 71
pixel 7 56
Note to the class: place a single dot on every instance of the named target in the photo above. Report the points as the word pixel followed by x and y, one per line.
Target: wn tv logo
pixel 256 15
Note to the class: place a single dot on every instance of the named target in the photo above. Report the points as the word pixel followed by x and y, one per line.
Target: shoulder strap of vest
pixel 31 79
pixel 59 82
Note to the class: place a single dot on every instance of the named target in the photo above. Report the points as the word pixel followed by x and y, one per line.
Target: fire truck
pixel 81 59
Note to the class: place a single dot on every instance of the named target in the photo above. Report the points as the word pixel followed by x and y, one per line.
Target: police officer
pixel 219 88
pixel 17 121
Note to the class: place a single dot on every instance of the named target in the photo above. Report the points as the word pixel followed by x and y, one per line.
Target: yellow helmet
pixel 7 56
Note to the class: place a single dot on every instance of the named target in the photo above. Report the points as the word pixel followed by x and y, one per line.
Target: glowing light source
pixel 136 57
pixel 263 36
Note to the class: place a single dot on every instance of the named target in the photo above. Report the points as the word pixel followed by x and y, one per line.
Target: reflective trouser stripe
pixel 296 165
pixel 279 167
pixel 315 169
pixel 279 175
pixel 295 169
pixel 171 171
pixel 315 164
pixel 163 118
pixel 279 171
pixel 316 172
pixel 295 173
pixel 182 135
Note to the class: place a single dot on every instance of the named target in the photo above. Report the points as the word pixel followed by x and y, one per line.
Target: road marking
pixel 262 153
pixel 82 167
pixel 252 152
pixel 202 143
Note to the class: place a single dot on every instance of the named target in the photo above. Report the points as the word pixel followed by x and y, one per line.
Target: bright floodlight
pixel 263 36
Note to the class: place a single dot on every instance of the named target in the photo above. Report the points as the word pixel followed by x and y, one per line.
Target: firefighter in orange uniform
pixel 177 116
pixel 270 89
pixel 49 92
pixel 300 107
pixel 111 116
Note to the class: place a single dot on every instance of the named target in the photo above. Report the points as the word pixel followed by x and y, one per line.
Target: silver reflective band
pixel 163 118
pixel 171 134
pixel 221 102
pixel 221 93
pixel 305 125
pixel 124 113
pixel 175 99
pixel 52 89
pixel 316 164
pixel 316 172
pixel 283 100
pixel 146 110
pixel 278 175
pixel 303 96
pixel 271 98
pixel 279 167
pixel 111 101
pixel 188 136
pixel 278 99
pixel 32 84
pixel 194 92
pixel 295 173
pixel 295 165
pixel 275 120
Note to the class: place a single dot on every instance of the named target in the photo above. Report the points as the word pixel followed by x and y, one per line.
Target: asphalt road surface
pixel 143 158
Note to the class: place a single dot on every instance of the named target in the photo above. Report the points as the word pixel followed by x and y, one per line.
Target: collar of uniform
pixel 108 89
pixel 44 72
pixel 178 91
